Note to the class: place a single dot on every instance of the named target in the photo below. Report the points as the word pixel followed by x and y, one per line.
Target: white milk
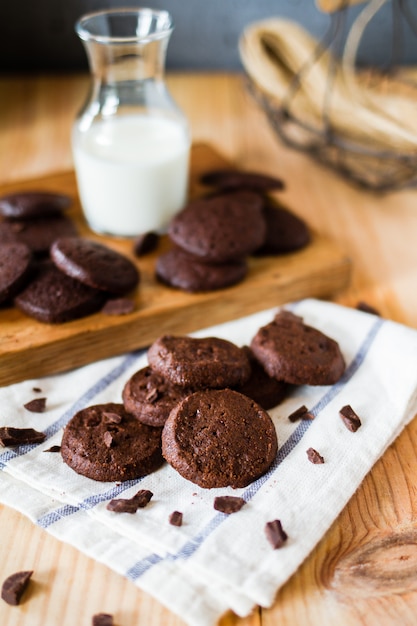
pixel 132 173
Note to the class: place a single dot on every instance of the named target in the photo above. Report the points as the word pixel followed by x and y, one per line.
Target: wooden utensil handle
pixel 329 6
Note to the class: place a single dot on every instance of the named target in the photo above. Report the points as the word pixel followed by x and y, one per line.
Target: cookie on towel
pixel 195 363
pixel 219 438
pixel 220 228
pixel 95 264
pixel 150 397
pixel 262 388
pixel 104 442
pixel 181 270
pixel 295 353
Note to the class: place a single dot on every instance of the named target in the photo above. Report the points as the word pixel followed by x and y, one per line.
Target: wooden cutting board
pixel 31 349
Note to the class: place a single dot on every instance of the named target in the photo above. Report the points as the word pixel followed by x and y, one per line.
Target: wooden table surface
pixel 379 234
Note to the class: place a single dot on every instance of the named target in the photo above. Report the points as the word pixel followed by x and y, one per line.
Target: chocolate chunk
pixel 147 242
pixel 14 587
pixel 314 456
pixel 367 308
pixel 130 505
pixel 10 436
pixel 102 619
pixel 275 534
pixel 301 413
pixel 228 504
pixel 175 519
pixel 112 418
pixel 118 306
pixel 108 438
pixel 350 419
pixel 53 449
pixel 37 405
pixel 37 389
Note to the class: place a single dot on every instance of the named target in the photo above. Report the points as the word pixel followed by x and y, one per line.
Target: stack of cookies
pixel 214 235
pixel 49 272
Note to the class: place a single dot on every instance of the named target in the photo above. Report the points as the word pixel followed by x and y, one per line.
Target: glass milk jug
pixel 130 142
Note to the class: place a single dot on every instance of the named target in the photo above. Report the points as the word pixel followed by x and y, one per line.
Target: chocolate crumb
pixel 53 449
pixel 301 413
pixel 275 534
pixel 102 619
pixel 14 586
pixel 37 389
pixel 10 436
pixel 367 308
pixel 130 505
pixel 314 456
pixel 145 243
pixel 228 504
pixel 350 419
pixel 118 306
pixel 37 405
pixel 175 519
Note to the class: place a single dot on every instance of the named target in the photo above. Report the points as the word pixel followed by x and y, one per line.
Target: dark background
pixel 38 35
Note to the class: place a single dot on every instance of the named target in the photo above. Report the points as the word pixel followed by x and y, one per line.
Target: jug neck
pixel 126 45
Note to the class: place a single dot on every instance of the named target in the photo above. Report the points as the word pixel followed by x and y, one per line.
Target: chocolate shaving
pixel 228 504
pixel 350 419
pixel 14 586
pixel 152 396
pixel 314 456
pixel 112 418
pixel 301 413
pixel 37 405
pixel 145 243
pixel 102 619
pixel 130 505
pixel 118 306
pixel 175 519
pixel 53 449
pixel 10 436
pixel 275 534
pixel 367 308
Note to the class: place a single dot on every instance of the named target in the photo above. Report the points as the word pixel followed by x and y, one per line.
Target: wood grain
pixel 377 231
pixel 29 348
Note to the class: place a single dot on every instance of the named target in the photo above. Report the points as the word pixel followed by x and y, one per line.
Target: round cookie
pixel 220 228
pixel 150 397
pixel 33 204
pixel 55 298
pixel 15 269
pixel 194 363
pixel 94 264
pixel 230 179
pixel 293 352
pixel 38 234
pixel 104 442
pixel 285 231
pixel 181 270
pixel 219 438
pixel 266 391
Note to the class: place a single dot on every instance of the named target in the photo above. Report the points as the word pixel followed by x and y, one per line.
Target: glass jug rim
pixel 86 34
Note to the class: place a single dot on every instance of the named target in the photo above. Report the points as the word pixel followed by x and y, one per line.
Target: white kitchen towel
pixel 215 562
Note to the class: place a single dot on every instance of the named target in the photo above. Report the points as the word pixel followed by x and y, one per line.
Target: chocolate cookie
pixel 38 234
pixel 150 397
pixel 285 232
pixel 104 442
pixel 33 204
pixel 206 363
pixel 220 228
pixel 228 179
pixel 293 352
pixel 219 438
pixel 15 269
pixel 94 264
pixel 53 297
pixel 262 388
pixel 179 269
